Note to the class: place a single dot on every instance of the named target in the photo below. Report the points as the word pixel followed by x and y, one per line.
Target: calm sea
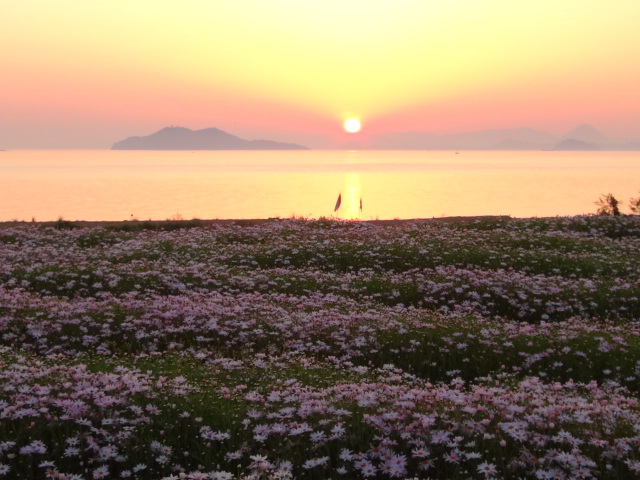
pixel 124 185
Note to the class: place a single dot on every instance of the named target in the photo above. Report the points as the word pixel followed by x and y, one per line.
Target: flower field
pixel 314 349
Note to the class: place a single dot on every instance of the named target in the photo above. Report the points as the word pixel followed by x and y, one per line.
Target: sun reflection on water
pixel 351 197
pixel 114 185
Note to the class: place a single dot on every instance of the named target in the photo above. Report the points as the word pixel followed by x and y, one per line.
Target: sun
pixel 352 125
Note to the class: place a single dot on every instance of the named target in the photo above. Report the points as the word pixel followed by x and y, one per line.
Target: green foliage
pixel 62 224
pixel 634 205
pixel 608 205
pixel 166 225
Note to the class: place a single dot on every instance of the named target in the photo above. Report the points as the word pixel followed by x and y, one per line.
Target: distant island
pixel 180 138
pixel 571 144
pixel 582 138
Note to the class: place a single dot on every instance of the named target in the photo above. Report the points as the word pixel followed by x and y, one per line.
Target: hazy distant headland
pixel 180 138
pixel 571 144
pixel 582 138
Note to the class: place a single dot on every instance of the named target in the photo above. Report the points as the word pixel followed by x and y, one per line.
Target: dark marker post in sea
pixel 338 202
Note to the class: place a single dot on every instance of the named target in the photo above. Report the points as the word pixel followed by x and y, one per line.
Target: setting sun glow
pixel 296 71
pixel 352 125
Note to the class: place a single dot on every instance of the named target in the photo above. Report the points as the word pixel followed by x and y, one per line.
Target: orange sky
pixel 78 73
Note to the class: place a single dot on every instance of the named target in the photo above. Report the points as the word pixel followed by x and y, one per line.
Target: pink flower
pixel 488 469
pixel 100 472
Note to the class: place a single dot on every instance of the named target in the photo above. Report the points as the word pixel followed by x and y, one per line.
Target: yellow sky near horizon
pixel 299 68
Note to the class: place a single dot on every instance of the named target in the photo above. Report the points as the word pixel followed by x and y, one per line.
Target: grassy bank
pixel 449 349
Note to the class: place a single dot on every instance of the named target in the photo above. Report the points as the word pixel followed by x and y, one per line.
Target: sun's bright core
pixel 352 125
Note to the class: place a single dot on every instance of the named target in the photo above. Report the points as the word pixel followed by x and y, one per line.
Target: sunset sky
pixel 84 74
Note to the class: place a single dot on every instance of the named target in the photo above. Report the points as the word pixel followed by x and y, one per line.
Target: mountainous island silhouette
pixel 582 138
pixel 181 138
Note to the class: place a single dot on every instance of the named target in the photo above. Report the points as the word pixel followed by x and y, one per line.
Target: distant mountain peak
pixel 587 133
pixel 181 138
pixel 585 127
pixel 583 137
